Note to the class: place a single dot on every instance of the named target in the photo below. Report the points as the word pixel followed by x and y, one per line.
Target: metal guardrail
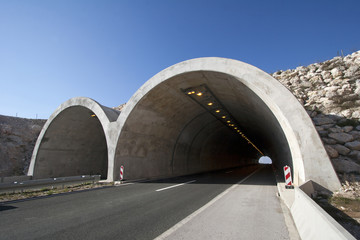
pixel 38 184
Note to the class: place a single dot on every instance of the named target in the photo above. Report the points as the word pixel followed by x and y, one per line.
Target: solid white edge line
pixel 197 212
pixel 177 185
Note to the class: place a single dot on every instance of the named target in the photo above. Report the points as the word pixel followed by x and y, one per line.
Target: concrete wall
pixel 313 222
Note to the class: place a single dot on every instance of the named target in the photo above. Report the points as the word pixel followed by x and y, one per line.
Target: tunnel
pixel 208 114
pixel 72 142
pixel 172 133
pixel 200 115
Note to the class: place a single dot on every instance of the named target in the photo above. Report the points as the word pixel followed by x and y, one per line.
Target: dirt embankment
pixel 17 141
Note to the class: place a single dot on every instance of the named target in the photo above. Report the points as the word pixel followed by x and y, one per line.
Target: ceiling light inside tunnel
pixel 93 115
pixel 209 99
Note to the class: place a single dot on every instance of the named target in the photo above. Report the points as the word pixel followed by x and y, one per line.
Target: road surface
pixel 181 208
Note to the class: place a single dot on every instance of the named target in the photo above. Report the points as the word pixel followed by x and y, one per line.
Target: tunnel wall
pixel 73 141
pixel 153 119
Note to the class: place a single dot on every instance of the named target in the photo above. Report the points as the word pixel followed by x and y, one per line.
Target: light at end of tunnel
pixel 265 160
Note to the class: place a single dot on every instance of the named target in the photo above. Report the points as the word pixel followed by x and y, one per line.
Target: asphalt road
pixel 134 211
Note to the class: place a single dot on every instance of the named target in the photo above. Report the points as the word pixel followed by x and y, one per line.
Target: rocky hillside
pixel 17 140
pixel 331 87
pixel 329 91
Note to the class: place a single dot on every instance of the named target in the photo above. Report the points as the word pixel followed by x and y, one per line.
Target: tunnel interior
pixel 73 144
pixel 167 133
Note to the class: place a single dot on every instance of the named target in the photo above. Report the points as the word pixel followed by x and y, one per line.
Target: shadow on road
pixel 228 176
pixel 4 207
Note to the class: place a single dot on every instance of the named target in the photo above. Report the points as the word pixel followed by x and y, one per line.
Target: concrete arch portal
pixel 164 132
pixel 73 141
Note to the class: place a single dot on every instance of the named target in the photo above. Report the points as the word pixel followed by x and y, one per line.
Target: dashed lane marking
pixel 177 185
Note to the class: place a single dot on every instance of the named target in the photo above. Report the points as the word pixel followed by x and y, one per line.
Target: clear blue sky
pixel 51 51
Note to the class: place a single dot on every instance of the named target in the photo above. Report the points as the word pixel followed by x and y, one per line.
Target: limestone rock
pixel 355 155
pixel 344 165
pixel 328 141
pixel 341 149
pixel 331 151
pixel 341 137
pixel 332 86
pixel 353 145
pixel 355 134
pixel 348 128
pixel 322 121
pixel 336 130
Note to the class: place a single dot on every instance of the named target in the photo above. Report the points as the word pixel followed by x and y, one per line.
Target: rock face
pixel 17 141
pixel 331 87
pixel 330 92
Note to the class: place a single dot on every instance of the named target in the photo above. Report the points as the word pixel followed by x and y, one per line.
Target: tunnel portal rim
pixel 268 89
pixel 83 102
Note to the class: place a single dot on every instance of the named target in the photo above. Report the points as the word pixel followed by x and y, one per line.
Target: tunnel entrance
pixel 164 133
pixel 169 133
pixel 74 144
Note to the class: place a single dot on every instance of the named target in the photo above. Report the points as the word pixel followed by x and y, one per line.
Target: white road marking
pixel 194 214
pixel 229 172
pixel 177 185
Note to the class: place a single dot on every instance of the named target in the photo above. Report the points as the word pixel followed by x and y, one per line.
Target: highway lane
pixel 135 211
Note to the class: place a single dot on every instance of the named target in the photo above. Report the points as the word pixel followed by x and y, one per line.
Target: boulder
pixel 344 165
pixel 328 141
pixel 341 137
pixel 355 145
pixel 355 155
pixel 335 72
pixel 348 128
pixel 336 130
pixel 341 149
pixel 331 151
pixel 322 121
pixel 355 134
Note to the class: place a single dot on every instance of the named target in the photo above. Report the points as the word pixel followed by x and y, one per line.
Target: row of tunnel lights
pixel 221 114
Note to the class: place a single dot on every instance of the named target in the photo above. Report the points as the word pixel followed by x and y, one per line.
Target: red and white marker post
pixel 288 181
pixel 121 172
